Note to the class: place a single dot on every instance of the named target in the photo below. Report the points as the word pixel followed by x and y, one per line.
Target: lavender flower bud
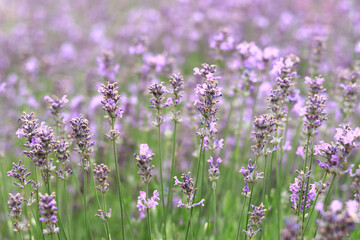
pixel 100 176
pixel 222 43
pixel 83 138
pixel 20 173
pixel 111 99
pixel 256 217
pixel 157 101
pixel 143 162
pixel 264 126
pixel 61 151
pixel 187 188
pixel 214 172
pixel 29 125
pixel 15 204
pixel 314 114
pixel 103 215
pixel 177 88
pixel 48 211
pixel 56 106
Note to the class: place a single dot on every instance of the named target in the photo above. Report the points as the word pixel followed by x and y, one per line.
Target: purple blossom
pixel 298 189
pixel 214 172
pixel 56 106
pixel 48 211
pixel 15 204
pixel 101 173
pixel 256 217
pixel 250 177
pixel 187 188
pixel 145 204
pixel 292 229
pixel 111 99
pixel 20 173
pixel 177 88
pixel 158 101
pixel 143 162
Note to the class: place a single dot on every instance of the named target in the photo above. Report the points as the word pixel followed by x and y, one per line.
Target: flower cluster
pixel 20 173
pixel 315 106
pixel 292 229
pixel 187 188
pixel 177 88
pixel 336 223
pixel 103 215
pixel 214 171
pixel 264 127
pixel 106 66
pixel 100 176
pixel 157 64
pixel 56 106
pixel 158 101
pixel 139 46
pixel 206 99
pixel 15 205
pixel 143 162
pixel 250 177
pixel 83 138
pixel 29 125
pixel 317 52
pixel 298 190
pixel 111 99
pixel 256 217
pixel 61 151
pixel 48 211
pixel 336 154
pixel 250 55
pixel 144 204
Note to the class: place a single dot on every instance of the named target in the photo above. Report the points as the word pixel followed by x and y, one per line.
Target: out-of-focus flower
pixel 106 66
pixel 298 189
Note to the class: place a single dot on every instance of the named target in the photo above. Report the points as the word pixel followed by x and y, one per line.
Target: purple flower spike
pixel 143 162
pixel 144 204
pixel 187 188
pixel 48 211
pixel 214 172
pixel 20 173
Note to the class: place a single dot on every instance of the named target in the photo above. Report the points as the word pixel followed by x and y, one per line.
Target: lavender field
pixel 158 119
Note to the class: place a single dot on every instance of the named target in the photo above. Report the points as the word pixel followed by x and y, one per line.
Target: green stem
pixel 248 209
pixel 214 205
pixel 67 208
pixel 240 218
pixel 118 183
pixel 85 205
pixel 148 215
pixel 161 180
pixel 264 180
pixel 305 164
pixel 169 200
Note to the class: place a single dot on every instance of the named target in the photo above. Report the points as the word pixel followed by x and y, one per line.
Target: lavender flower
pixel 143 162
pixel 315 85
pixel 106 66
pixel 298 189
pixel 256 217
pixel 103 215
pixel 139 46
pixel 20 173
pixel 264 127
pixel 292 229
pixel 111 99
pixel 350 90
pixel 144 204
pixel 157 101
pixel 61 151
pixel 83 138
pixel 336 223
pixel 355 185
pixel 177 88
pixel 214 172
pixel 250 177
pixel 100 176
pixel 56 106
pixel 48 210
pixel 29 125
pixel 206 99
pixel 314 114
pixel 336 154
pixel 317 52
pixel 15 204
pixel 187 188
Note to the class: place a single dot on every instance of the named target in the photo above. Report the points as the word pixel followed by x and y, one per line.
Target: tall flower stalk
pixel 110 102
pixel 158 103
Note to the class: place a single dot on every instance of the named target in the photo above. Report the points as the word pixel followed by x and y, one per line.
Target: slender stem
pixel 305 164
pixel 148 214
pixel 189 225
pixel 270 171
pixel 161 179
pixel 107 230
pixel 85 205
pixel 240 218
pixel 248 209
pixel 67 209
pixel 214 205
pixel 278 190
pixel 169 200
pixel 264 180
pixel 118 184
pixel 308 181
